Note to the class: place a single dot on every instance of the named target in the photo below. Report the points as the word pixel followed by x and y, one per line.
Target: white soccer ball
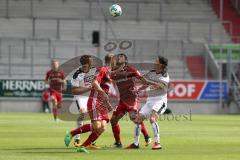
pixel 115 10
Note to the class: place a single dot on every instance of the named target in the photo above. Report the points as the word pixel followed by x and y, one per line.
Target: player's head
pixel 55 64
pixel 108 59
pixel 122 59
pixel 86 62
pixel 161 64
pixel 114 61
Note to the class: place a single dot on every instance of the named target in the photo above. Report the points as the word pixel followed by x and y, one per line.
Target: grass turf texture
pixel 35 136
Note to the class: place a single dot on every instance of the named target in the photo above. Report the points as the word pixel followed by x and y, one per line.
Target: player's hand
pixel 88 85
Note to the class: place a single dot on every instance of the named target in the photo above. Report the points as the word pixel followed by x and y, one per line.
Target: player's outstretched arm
pixel 47 80
pixel 79 90
pixel 98 88
pixel 150 82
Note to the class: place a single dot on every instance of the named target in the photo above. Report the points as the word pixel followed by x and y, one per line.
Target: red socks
pixel 85 128
pixel 92 138
pixel 144 130
pixel 116 133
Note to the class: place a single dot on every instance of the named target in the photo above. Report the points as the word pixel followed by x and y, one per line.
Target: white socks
pixel 156 132
pixel 137 131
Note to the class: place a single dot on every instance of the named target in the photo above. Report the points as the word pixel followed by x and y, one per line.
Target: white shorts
pixel 158 106
pixel 79 103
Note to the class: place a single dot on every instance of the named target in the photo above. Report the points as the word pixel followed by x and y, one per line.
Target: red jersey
pixel 103 78
pixel 125 81
pixel 53 77
pixel 96 108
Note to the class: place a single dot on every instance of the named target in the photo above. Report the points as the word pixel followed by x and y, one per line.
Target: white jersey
pixel 81 79
pixel 158 100
pixel 162 93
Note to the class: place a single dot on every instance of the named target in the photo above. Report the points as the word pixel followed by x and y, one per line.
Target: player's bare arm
pixel 47 81
pixel 80 90
pixel 153 83
pixel 98 88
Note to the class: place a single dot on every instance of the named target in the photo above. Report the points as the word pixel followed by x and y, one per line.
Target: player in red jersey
pixel 55 78
pixel 125 77
pixel 98 106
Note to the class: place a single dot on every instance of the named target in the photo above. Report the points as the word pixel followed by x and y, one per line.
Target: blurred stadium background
pixel 200 37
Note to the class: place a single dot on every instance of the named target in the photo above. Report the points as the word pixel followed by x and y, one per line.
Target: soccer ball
pixel 115 10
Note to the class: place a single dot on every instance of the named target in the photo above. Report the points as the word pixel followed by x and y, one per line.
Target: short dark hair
pixel 163 60
pixel 124 55
pixel 85 59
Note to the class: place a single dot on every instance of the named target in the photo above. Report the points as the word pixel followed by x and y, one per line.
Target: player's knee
pixel 59 105
pixel 96 126
pixel 82 110
pixel 134 118
pixel 152 119
pixel 138 120
pixel 103 128
pixel 54 104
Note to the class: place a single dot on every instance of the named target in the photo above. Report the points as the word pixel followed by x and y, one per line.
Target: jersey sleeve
pixel 75 82
pixel 62 75
pixel 76 79
pixel 165 80
pixel 47 76
pixel 135 73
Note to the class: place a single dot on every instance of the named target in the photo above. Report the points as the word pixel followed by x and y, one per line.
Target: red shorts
pixel 56 95
pixel 131 106
pixel 98 110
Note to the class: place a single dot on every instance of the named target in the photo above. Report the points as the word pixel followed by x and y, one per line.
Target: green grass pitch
pixel 25 136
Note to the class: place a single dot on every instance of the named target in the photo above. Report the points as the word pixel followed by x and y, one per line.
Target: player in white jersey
pixel 156 102
pixel 81 85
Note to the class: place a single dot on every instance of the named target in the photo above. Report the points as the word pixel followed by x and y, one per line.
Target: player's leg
pixel 81 105
pixel 54 105
pixel 116 116
pixel 44 105
pixel 59 100
pixel 135 107
pixel 147 138
pixel 83 129
pixel 57 103
pixel 155 128
pixel 47 107
pixel 158 108
pixel 76 142
pixel 137 131
pixel 138 118
pixel 98 128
